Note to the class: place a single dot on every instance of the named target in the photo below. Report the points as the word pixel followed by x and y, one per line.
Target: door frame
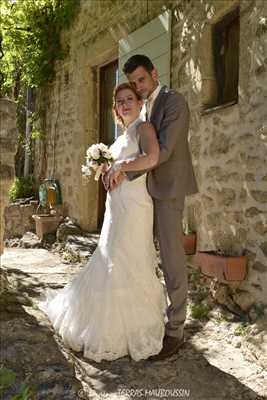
pixel 101 190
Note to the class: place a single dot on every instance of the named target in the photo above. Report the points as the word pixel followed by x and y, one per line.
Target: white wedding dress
pixel 115 306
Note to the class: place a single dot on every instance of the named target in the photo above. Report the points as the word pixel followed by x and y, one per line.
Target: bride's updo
pixel 118 119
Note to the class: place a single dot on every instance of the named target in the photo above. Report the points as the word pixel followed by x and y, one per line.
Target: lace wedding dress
pixel 115 306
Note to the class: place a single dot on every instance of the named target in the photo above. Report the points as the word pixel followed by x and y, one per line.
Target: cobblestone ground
pixel 211 365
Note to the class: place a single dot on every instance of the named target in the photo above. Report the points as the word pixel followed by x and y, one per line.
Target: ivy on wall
pixel 30 40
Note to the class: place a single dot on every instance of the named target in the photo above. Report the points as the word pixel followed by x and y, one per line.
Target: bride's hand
pixel 113 176
pixel 105 178
pixel 117 182
pixel 105 181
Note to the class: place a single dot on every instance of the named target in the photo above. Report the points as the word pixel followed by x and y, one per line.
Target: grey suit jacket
pixel 173 177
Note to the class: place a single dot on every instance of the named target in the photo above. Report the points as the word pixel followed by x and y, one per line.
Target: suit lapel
pixel 157 104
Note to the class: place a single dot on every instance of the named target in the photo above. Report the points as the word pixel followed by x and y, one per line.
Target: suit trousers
pixel 168 230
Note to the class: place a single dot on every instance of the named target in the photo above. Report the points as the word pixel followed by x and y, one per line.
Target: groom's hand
pixel 115 180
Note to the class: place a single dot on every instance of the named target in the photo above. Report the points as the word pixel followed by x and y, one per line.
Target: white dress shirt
pixel 151 100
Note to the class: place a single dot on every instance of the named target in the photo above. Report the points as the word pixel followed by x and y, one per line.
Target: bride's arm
pixel 149 145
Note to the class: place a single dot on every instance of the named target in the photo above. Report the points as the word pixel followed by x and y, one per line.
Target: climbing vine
pixel 30 40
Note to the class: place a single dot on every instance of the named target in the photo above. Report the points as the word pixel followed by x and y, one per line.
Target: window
pixel 220 61
pixel 226 57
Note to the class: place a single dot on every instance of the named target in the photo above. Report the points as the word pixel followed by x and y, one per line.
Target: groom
pixel 168 184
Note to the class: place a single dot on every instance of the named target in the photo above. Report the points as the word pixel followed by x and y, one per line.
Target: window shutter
pixel 153 40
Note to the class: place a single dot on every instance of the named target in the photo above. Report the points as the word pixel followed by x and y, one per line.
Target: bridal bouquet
pixel 97 156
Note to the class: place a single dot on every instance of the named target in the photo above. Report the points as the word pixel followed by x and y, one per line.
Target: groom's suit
pixel 168 183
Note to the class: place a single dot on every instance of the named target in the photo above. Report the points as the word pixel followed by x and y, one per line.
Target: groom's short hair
pixel 138 60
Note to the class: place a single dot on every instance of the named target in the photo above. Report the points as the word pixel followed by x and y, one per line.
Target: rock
pixel 4 283
pixel 67 228
pixel 263 247
pixel 15 242
pixel 251 256
pixel 261 227
pixel 243 195
pixel 258 266
pixel 219 145
pixel 260 196
pixel 208 201
pixel 244 300
pixel 256 343
pixel 221 294
pixel 81 246
pixel 250 177
pixel 195 145
pixel 226 196
pixel 214 172
pixel 252 211
pixel 30 241
pixel 241 235
pixel 253 315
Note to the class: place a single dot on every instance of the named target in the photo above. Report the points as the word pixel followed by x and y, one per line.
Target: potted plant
pixel 189 239
pixel 226 264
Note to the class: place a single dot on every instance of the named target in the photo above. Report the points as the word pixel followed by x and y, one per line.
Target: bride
pixel 115 306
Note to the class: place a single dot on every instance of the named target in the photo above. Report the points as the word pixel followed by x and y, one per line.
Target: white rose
pixel 95 153
pixel 103 147
pixel 107 155
pixel 86 170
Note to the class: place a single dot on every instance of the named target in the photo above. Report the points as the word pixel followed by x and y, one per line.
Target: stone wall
pixel 8 141
pixel 18 219
pixel 228 144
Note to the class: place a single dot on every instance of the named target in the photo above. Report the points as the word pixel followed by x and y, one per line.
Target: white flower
pixel 94 152
pixel 103 147
pixel 107 154
pixel 86 170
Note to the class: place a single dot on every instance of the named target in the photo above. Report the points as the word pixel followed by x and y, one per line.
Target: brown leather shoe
pixel 170 346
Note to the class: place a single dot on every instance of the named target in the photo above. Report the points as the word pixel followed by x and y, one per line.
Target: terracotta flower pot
pixel 190 242
pixel 224 268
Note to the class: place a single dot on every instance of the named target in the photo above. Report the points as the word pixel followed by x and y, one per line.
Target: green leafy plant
pixel 199 311
pixel 227 245
pixel 242 330
pixel 7 378
pixel 25 393
pixel 30 40
pixel 21 188
pixel 37 132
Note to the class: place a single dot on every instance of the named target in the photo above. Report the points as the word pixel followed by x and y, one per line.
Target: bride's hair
pixel 118 119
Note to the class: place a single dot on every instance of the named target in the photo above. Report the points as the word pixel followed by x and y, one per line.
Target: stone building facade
pixel 8 140
pixel 228 142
